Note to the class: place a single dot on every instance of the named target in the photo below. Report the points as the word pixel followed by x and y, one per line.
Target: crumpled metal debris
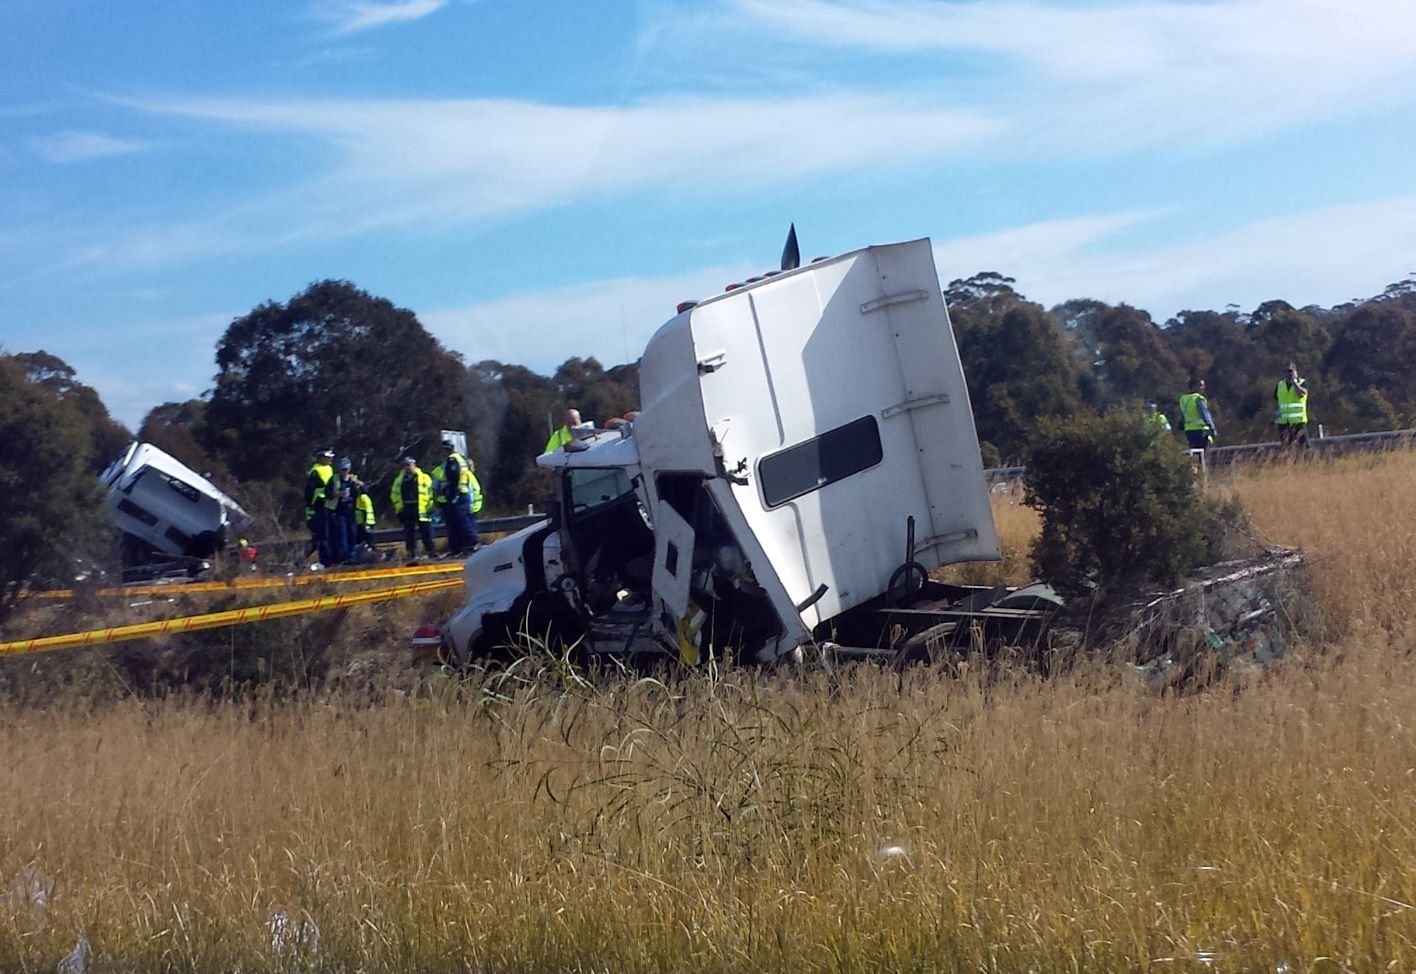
pixel 1235 616
pixel 29 892
pixel 289 936
pixel 77 960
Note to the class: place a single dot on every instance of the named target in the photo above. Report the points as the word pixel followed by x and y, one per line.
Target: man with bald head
pixel 563 435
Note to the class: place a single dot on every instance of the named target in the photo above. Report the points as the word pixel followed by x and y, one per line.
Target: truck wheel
pixel 906 582
pixel 923 645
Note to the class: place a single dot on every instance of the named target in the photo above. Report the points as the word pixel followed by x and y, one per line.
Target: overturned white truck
pixel 804 457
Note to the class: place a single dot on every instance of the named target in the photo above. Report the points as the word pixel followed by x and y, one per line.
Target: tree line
pixel 336 366
pixel 1025 363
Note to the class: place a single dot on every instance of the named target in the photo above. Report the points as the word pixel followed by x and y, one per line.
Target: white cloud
pixel 76 146
pixel 1114 75
pixel 438 163
pixel 1322 256
pixel 353 16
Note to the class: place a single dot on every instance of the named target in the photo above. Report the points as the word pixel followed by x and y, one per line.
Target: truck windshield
pixel 591 488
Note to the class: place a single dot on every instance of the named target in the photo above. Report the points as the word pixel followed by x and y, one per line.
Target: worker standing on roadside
pixel 1195 414
pixel 363 519
pixel 1292 395
pixel 563 435
pixel 1156 422
pixel 316 511
pixel 412 497
pixel 452 489
pixel 340 501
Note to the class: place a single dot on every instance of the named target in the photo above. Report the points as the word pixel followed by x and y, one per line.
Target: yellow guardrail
pixel 217 620
pixel 241 584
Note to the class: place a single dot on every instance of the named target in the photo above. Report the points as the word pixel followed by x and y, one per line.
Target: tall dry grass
pixel 855 820
pixel 1356 519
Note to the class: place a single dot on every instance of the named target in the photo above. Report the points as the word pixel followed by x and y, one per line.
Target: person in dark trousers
pixel 343 495
pixel 452 489
pixel 363 521
pixel 412 498
pixel 316 510
pixel 1195 414
pixel 1292 396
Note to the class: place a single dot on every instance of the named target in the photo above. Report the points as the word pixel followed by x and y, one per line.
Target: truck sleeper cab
pixel 800 439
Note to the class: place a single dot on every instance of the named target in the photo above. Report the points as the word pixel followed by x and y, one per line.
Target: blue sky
pixel 545 179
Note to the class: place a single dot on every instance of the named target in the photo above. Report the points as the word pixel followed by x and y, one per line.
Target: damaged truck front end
pixel 804 456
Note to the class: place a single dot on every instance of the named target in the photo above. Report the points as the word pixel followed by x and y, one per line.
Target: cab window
pixel 592 488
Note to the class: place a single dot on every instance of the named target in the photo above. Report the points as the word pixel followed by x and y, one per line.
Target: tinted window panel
pixel 832 456
pixel 133 510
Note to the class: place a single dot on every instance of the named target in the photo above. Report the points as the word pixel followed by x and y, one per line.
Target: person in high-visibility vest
pixel 458 496
pixel 1292 396
pixel 340 498
pixel 1156 422
pixel 363 518
pixel 563 435
pixel 412 497
pixel 316 510
pixel 1195 414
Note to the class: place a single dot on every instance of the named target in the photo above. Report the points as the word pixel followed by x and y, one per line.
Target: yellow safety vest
pixel 425 494
pixel 323 471
pixel 476 487
pixel 467 482
pixel 364 511
pixel 1190 411
pixel 1292 404
pixel 558 439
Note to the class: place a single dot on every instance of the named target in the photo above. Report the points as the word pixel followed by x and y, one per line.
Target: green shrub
pixel 1119 509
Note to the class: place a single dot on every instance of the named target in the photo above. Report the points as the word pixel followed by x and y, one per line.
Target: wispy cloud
pixel 353 16
pixel 77 146
pixel 438 163
pixel 1112 75
pixel 1322 256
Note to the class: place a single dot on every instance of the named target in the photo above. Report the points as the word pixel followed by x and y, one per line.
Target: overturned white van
pixel 804 457
pixel 165 509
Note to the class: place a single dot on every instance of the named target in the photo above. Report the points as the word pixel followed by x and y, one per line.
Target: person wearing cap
pixel 316 510
pixel 563 435
pixel 341 496
pixel 412 497
pixel 458 495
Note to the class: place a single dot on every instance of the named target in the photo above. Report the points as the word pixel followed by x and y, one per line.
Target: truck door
pixel 673 568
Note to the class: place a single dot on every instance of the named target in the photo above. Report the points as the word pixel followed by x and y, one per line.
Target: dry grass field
pixel 857 820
